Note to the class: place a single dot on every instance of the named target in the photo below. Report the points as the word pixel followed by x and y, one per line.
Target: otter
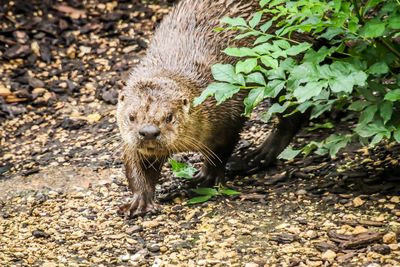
pixel 155 114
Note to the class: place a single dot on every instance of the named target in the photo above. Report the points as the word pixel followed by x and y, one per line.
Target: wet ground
pixel 61 179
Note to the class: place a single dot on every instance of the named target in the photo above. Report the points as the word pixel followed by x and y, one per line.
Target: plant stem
pixel 389 47
pixel 357 10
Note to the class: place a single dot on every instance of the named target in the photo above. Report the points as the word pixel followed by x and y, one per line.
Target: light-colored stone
pixel 390 238
pixel 357 202
pixel 395 199
pixel 328 255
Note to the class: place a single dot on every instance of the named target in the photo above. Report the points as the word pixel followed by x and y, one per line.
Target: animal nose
pixel 149 132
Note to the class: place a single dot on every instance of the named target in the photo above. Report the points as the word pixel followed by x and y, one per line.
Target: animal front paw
pixel 253 162
pixel 209 176
pixel 139 206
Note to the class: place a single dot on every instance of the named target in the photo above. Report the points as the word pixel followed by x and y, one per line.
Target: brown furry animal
pixel 155 115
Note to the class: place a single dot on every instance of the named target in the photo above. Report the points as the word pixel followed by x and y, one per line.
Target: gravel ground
pixel 61 179
pixel 275 225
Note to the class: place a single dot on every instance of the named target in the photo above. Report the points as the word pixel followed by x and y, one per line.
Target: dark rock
pixel 45 52
pixel 5 168
pixel 35 83
pixel 381 249
pixel 21 37
pixel 134 229
pixel 110 96
pixel 23 93
pixel 154 248
pixel 16 110
pixel 30 171
pixel 70 124
pixel 324 246
pixel 40 234
pixel 284 238
pixel 142 43
pixel 32 59
pixel 63 25
pixel 132 249
pixel 17 51
pixel 178 245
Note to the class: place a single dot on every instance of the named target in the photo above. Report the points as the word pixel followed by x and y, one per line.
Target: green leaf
pixel 319 56
pixel 221 92
pixel 332 32
pixel 276 2
pixel 394 22
pixel 345 83
pixel 386 111
pixel 255 19
pixel 262 39
pixel 379 68
pixel 393 95
pixel 270 62
pixel 182 170
pixel 304 72
pixel 282 44
pixel 289 153
pixel 335 142
pixel 276 87
pixel 304 106
pixel 247 34
pixel 197 200
pixel 376 139
pixel 319 109
pixel 240 52
pixel 246 66
pixel 275 108
pixel 373 29
pixel 311 89
pixel 370 4
pixel 297 49
pixel 234 21
pixel 368 114
pixel 226 73
pixel 317 126
pixel 255 96
pixel 396 135
pixel 266 26
pixel 358 105
pixel 229 192
pixel 368 130
pixel 205 191
pixel 264 2
pixel 255 77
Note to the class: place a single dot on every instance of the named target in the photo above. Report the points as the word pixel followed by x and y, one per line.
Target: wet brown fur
pixel 176 69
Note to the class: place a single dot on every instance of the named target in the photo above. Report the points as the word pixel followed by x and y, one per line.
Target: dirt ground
pixel 61 179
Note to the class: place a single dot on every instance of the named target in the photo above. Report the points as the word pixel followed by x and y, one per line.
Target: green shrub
pixel 355 70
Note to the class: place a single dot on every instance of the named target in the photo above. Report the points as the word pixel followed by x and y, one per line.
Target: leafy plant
pixel 317 56
pixel 182 170
pixel 208 193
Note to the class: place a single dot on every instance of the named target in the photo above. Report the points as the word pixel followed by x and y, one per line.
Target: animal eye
pixel 185 102
pixel 132 117
pixel 169 118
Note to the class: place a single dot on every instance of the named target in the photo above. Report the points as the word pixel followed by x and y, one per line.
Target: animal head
pixel 152 114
